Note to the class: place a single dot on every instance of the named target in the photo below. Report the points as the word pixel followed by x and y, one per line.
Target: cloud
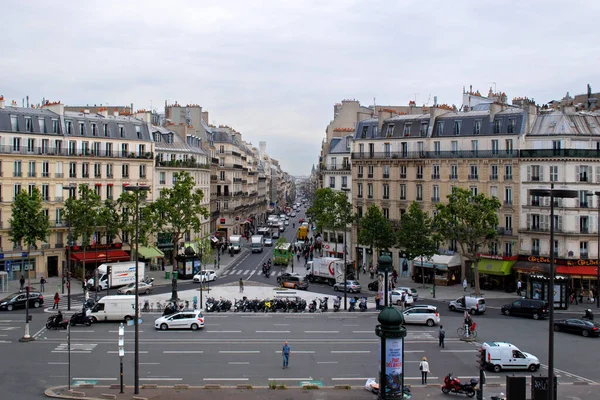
pixel 274 69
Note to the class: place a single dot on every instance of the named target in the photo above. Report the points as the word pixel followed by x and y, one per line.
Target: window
pixel 174 181
pixel 390 130
pixel 457 126
pixel 421 148
pixel 386 212
pixel 105 130
pixel 386 191
pixel 454 144
pixel 14 123
pixel 363 134
pixel 419 172
pixel 435 197
pixel 440 128
pixel 31 171
pixel 333 163
pixel 109 170
pixel 473 172
pixel 493 248
pixel 509 145
pixel 497 125
pixel 584 200
pixel 69 125
pixel 535 173
pixel 495 146
pixel 162 178
pixel 554 173
pixel 477 127
pixel 124 149
pixel 556 247
pixel 222 175
pixel 387 149
pixel 583 250
pixel 508 196
pixel 584 224
pixel 30 145
pixel 109 149
pixel 419 192
pixel 94 130
pixel 584 173
pixel 406 130
pixel 121 131
pixel 494 172
pixel 344 181
pixel 370 190
pixel 28 124
pixel 473 190
pixel 125 170
pixel 332 182
pixel 46 192
pixel 403 171
pixel 30 188
pixel 72 170
pixel 221 149
pixel 435 171
pixel 474 146
pixel 360 171
pixel 42 123
pixel 97 170
pixel 494 191
pixel 535 247
pixel 361 149
pixel 16 189
pixel 512 123
pixel 454 171
pixel 508 172
pixel 371 150
pixel 359 186
pixel 142 171
pixel 404 149
pixel 138 131
pixel 45 169
pixel 81 128
pixel 508 249
pixel 423 130
pixel 436 148
pixel 85 170
pixel 221 162
pixel 16 144
pixel 17 169
pixel 402 192
pixel 370 173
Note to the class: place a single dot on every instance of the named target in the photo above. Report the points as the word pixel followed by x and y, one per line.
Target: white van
pixel 114 308
pixel 236 243
pixel 257 243
pixel 503 355
pixel 473 304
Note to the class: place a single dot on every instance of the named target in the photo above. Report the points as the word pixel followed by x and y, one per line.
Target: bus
pixel 282 254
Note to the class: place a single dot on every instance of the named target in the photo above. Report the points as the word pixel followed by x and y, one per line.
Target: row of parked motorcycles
pixel 221 305
pixel 295 304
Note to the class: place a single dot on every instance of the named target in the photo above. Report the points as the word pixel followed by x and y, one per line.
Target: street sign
pixel 311 383
pixel 78 383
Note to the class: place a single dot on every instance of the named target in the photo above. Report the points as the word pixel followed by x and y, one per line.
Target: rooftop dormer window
pixel 14 123
pixel 138 131
pixel 94 130
pixel 363 134
pixel 121 131
pixel 390 131
pixel 457 126
pixel 69 125
pixel 81 128
pixel 497 125
pixel 423 130
pixel 477 127
pixel 440 130
pixel 28 124
pixel 512 123
pixel 105 127
pixel 406 130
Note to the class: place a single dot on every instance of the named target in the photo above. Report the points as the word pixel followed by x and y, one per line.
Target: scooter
pixel 323 303
pixel 363 304
pixel 588 315
pixel 312 307
pixel 453 385
pixel 352 304
pixel 57 322
pixel 336 303
pixel 81 318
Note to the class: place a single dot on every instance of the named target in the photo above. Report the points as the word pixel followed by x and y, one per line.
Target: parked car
pixel 19 300
pixel 205 276
pixel 294 282
pixel 422 315
pixel 181 320
pixel 412 291
pixel 373 286
pixel 535 309
pixel 583 327
pixel 351 286
pixel 143 287
pixel 397 297
pixel 473 304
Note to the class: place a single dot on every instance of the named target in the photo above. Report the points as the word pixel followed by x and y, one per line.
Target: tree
pixel 28 224
pixel 416 235
pixel 122 213
pixel 375 230
pixel 323 209
pixel 472 221
pixel 82 214
pixel 179 209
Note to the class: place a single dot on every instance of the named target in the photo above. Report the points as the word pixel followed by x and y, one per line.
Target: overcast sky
pixel 274 69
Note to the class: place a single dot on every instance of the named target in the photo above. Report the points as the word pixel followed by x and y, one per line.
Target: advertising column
pixel 393 365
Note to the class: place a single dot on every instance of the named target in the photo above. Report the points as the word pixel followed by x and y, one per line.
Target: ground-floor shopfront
pixel 445 273
pixel 495 273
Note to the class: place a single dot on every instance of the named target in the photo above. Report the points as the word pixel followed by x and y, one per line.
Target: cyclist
pixel 468 324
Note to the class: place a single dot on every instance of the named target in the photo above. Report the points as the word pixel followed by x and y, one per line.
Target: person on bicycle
pixel 468 324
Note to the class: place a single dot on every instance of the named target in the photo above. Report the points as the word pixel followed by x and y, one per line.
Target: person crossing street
pixel 285 352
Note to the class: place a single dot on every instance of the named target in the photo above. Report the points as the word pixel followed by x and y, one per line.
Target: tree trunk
pixel 422 271
pixel 476 277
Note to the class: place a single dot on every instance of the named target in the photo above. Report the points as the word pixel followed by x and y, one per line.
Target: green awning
pixel 149 252
pixel 495 267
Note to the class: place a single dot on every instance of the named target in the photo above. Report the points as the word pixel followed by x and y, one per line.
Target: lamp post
pixel 598 256
pixel 70 189
pixel 345 190
pixel 564 194
pixel 136 379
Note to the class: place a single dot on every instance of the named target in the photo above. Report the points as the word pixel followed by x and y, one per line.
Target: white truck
pixel 325 269
pixel 257 243
pixel 236 243
pixel 122 273
pixel 114 308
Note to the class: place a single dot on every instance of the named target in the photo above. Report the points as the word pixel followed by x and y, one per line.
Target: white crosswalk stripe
pixel 239 272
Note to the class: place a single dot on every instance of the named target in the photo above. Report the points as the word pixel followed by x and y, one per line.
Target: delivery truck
pixel 236 243
pixel 302 232
pixel 121 274
pixel 257 243
pixel 114 308
pixel 325 269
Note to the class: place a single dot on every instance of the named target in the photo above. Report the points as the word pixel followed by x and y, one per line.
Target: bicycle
pixel 472 332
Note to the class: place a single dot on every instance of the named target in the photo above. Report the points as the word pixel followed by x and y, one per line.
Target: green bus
pixel 282 254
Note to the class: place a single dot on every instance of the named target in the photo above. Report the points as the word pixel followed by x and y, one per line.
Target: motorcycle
pixel 363 304
pixel 453 385
pixel 352 304
pixel 323 303
pixel 267 272
pixel 336 303
pixel 588 315
pixel 81 318
pixel 312 307
pixel 56 322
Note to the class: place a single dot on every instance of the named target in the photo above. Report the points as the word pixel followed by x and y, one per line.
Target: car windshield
pixel 8 298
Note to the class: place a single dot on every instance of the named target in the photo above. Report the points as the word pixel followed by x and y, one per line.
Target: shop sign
pixel 559 261
pixel 222 220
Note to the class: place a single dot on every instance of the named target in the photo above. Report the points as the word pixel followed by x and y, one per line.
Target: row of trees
pixel 469 220
pixel 177 210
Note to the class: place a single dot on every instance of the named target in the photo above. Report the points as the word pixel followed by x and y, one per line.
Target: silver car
pixel 351 286
pixel 143 287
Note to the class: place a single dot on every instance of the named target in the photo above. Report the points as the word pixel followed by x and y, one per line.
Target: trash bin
pixel 175 274
pixel 167 274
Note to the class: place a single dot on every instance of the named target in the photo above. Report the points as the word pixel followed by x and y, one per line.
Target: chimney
pixel 103 111
pixel 55 107
pixel 2 101
pixel 115 113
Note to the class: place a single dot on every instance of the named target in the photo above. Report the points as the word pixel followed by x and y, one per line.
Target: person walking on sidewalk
pixel 424 367
pixel 241 285
pixel 519 287
pixel 42 283
pixel 465 284
pixel 441 336
pixel 285 352
pixel 22 282
pixel 56 300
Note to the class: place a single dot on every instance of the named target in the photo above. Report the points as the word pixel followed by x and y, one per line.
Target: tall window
pixel 477 127
pixel 508 172
pixel 495 146
pixel 435 171
pixel 435 197
pixel 370 190
pixel 457 126
pixel 454 171
pixel 497 125
pixel 554 173
pixel 359 187
pixel 437 148
pixel 419 172
pixel 419 192
pixel 508 195
pixel 125 170
pixel 402 192
pixel 386 191
pixel 494 172
pixel 344 181
pixel 332 182
pixel 386 171
pixel 403 171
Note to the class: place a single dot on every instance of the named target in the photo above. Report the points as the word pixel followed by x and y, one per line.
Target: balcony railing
pixel 336 167
pixel 81 153
pixel 453 177
pixel 359 175
pixel 493 177
pixel 402 176
pixel 435 199
pixel 386 176
pixel 45 174
pixel 473 177
pixel 370 176
pixel 419 176
pixel 584 255
pixel 441 154
pixel 584 229
pixel 505 231
pixel 508 177
pixel 17 174
pixel 508 203
pixel 535 252
pixel 583 204
pixel 435 176
pixel 59 245
pixel 58 174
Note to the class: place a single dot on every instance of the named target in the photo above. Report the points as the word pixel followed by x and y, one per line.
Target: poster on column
pixel 393 365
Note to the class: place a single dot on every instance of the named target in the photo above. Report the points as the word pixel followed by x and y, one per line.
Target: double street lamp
pixel 553 194
pixel 136 190
pixel 598 261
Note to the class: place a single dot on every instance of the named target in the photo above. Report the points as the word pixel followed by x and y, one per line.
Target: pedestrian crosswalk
pixel 241 272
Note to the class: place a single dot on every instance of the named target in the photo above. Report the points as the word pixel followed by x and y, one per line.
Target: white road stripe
pixel 239 272
pixel 298 352
pixel 414 351
pixel 364 331
pixel 238 363
pixel 281 324
pixel 290 379
pixel 57 363
pixel 224 331
pixel 149 363
pixel 183 352
pixel 239 351
pixel 272 331
pixel 76 351
pixel 161 379
pixel 224 379
pixel 327 362
pixel 94 379
pixel 127 352
pixel 126 331
pixel 458 351
pixel 321 331
pixel 350 351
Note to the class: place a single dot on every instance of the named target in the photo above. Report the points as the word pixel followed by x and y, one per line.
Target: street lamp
pixel 136 190
pixel 564 194
pixel 598 257
pixel 70 189
pixel 345 190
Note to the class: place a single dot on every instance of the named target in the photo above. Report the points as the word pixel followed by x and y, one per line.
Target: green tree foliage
pixel 323 210
pixel 470 220
pixel 28 223
pixel 375 230
pixel 122 212
pixel 416 234
pixel 179 209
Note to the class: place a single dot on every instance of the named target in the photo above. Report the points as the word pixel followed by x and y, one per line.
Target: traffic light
pixel 108 270
pixel 481 358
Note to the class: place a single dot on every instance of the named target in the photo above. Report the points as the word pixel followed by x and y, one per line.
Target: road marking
pixel 350 379
pixel 250 276
pixel 35 335
pixel 224 379
pixel 183 352
pixel 273 325
pixel 458 351
pixel 239 351
pixel 127 352
pixel 239 272
pixel 354 325
pixel 290 379
pixel 363 331
pixel 573 375
pixel 75 351
pixel 238 363
pixel 256 316
pixel 321 331
pixel 298 352
pixel 414 351
pixel 5 341
pixel 272 331
pixel 126 332
pixel 3 335
pixel 350 351
pixel 147 363
pixel 343 317
pixel 327 362
pixel 57 363
pixel 94 379
pixel 160 379
pixel 224 331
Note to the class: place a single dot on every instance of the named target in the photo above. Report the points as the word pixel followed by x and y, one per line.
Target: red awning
pixel 101 256
pixel 577 270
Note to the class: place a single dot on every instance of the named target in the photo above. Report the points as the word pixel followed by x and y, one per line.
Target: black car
pixel 18 300
pixel 532 308
pixel 373 286
pixel 583 327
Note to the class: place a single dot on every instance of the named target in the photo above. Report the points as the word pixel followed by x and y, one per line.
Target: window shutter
pixel 577 173
pixel 541 173
pixel 559 227
pixel 529 173
pixel 528 221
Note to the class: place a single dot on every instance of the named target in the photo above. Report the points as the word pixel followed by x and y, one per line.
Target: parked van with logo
pixel 472 304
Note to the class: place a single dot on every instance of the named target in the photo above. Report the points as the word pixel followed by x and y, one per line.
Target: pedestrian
pixel 424 367
pixel 371 271
pixel 22 282
pixel 405 268
pixel 377 301
pixel 403 300
pixel 576 296
pixel 465 285
pixel 42 283
pixel 241 285
pixel 441 336
pixel 285 352
pixel 519 287
pixel 56 300
pixel 364 268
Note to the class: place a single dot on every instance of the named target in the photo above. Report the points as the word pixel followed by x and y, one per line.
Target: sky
pixel 273 70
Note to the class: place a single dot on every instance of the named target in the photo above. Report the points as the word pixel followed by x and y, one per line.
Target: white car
pixel 422 315
pixel 293 214
pixel 181 320
pixel 205 276
pixel 287 222
pixel 410 290
pixel 268 241
pixel 397 297
pixel 143 287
